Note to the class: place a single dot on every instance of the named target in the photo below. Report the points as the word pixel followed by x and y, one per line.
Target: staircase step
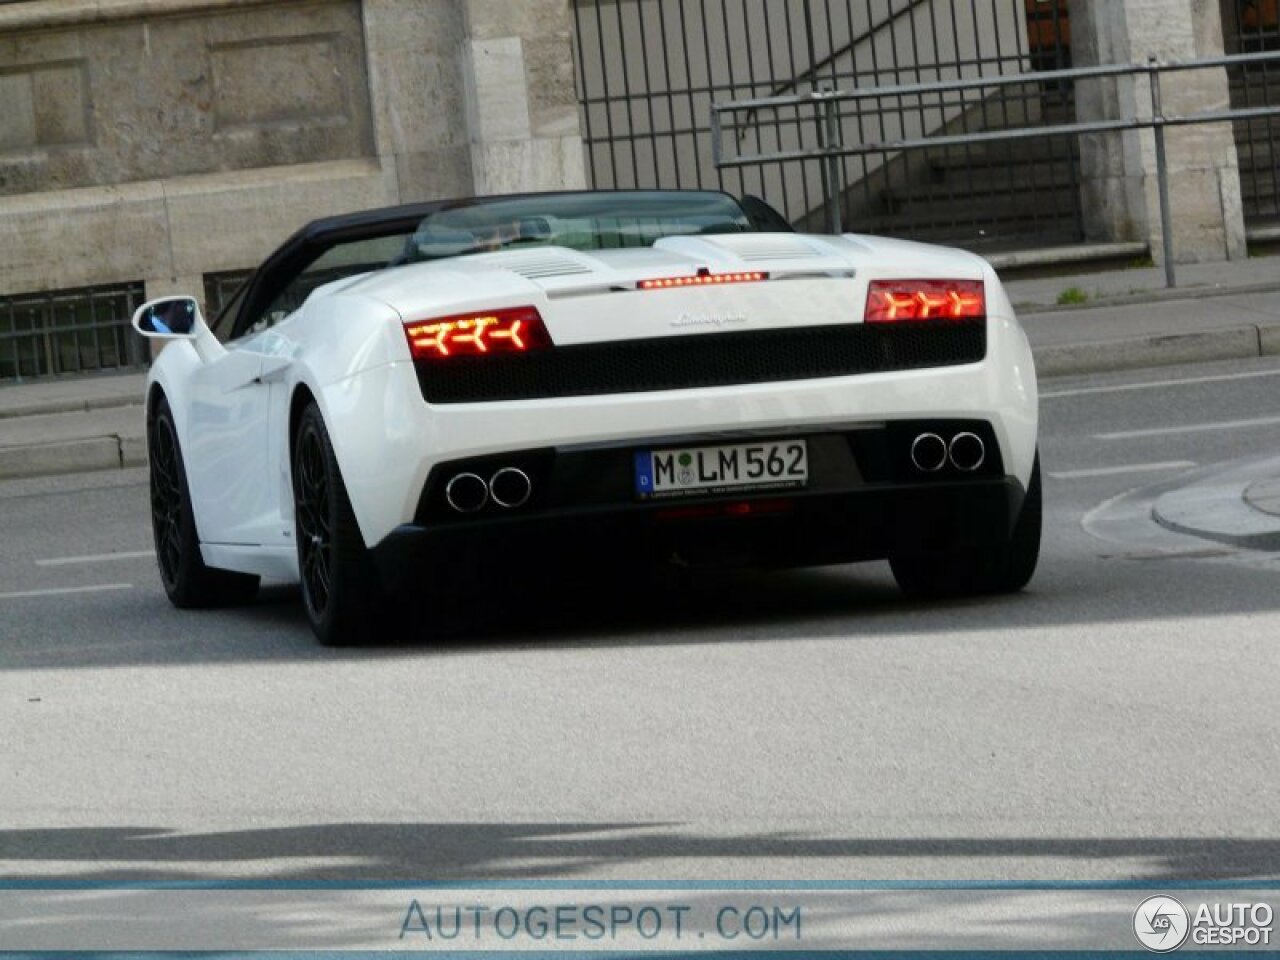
pixel 1261 204
pixel 1004 153
pixel 1258 151
pixel 993 179
pixel 936 202
pixel 1254 80
pixel 1262 188
pixel 1010 235
pixel 977 222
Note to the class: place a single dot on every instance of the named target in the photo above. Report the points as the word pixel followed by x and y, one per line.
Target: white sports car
pixel 670 375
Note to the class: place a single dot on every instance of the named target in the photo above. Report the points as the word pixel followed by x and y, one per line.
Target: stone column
pixel 1118 170
pixel 522 111
pixel 416 93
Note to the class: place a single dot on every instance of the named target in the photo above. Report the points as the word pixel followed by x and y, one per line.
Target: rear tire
pixel 341 593
pixel 1005 569
pixel 187 581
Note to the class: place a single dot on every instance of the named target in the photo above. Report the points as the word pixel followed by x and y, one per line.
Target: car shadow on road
pixel 551 608
pixel 512 851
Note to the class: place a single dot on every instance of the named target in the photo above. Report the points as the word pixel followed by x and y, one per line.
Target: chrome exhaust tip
pixel 967 451
pixel 466 493
pixel 929 453
pixel 510 487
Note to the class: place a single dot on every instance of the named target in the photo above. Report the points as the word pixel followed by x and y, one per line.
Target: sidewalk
pixel 1219 311
pixel 1238 506
pixel 1127 320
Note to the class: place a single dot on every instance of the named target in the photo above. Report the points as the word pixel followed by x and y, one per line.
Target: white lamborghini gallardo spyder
pixel 669 375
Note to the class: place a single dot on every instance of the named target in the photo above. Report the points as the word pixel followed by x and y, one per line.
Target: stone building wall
pixel 162 142
pixel 165 140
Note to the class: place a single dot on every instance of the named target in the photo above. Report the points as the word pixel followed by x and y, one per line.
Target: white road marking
pixel 59 591
pixel 1189 428
pixel 1156 384
pixel 95 558
pixel 1116 471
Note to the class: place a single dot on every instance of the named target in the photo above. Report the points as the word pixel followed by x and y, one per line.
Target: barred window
pixel 70 331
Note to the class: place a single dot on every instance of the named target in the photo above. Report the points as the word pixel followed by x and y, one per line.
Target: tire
pixel 1005 569
pixel 187 581
pixel 341 593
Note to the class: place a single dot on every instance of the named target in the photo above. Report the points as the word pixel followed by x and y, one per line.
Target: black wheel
pixel 340 588
pixel 187 581
pixel 1005 569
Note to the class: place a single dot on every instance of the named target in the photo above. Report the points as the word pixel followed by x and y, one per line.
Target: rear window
pixel 586 221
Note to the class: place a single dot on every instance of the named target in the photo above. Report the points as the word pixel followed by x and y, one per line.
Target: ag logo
pixel 1161 924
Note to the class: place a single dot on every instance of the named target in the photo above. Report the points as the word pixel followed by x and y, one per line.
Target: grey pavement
pixel 1116 721
pixel 1220 311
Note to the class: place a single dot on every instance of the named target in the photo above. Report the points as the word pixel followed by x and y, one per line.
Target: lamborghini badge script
pixel 708 319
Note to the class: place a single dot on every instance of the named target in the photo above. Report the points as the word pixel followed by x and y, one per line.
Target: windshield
pixel 600 220
pixel 581 221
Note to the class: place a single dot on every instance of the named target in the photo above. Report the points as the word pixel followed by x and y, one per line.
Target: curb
pixel 66 406
pixel 1105 356
pixel 1217 508
pixel 1155 295
pixel 112 452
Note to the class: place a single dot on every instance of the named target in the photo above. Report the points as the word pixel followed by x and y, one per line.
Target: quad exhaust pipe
pixel 966 452
pixel 509 487
pixel 929 453
pixel 467 493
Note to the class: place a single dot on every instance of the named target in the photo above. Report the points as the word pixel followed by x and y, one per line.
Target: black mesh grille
pixel 704 360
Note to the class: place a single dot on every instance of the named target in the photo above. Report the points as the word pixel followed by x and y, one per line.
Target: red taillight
pixel 891 301
pixel 701 280
pixel 517 330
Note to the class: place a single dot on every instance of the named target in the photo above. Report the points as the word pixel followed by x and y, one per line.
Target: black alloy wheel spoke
pixel 314 541
pixel 166 500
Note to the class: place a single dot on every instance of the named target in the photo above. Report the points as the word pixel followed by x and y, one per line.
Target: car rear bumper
pixel 864 498
pixel 787 529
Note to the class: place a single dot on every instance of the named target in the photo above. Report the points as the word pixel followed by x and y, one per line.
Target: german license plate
pixel 685 471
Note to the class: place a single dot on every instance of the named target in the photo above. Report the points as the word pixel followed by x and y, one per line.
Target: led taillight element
pixel 892 301
pixel 516 330
pixel 702 280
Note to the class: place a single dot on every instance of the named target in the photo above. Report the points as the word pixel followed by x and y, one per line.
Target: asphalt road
pixel 1117 720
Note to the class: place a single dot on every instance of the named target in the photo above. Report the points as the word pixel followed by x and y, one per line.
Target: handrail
pixel 999 80
pixel 813 73
pixel 826 104
pixel 815 69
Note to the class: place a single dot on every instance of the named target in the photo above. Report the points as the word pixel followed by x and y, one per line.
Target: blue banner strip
pixel 628 955
pixel 1154 885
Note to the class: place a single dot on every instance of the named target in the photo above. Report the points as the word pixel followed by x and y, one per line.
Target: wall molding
pixel 46 14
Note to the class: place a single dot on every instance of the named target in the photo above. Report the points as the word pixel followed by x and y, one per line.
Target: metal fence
pixel 1253 26
pixel 813 118
pixel 648 72
pixel 69 331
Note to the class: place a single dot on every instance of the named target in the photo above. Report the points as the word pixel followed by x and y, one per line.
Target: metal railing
pixel 823 123
pixel 69 331
pixel 647 72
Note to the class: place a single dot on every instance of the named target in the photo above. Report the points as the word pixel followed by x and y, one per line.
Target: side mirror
pixel 170 318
